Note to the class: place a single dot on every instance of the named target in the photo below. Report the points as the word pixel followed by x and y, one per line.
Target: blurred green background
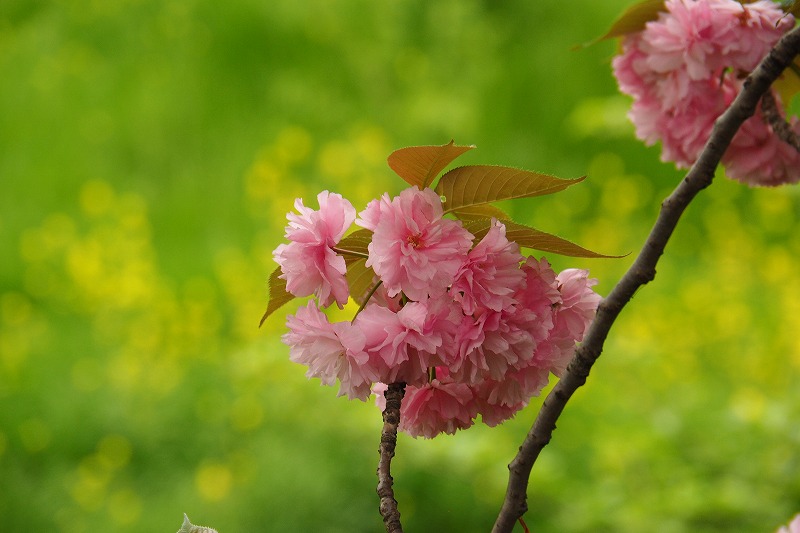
pixel 149 151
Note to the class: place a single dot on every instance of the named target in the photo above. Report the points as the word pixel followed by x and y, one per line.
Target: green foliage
pixel 188 527
pixel 475 185
pixel 468 192
pixel 150 152
pixel 532 238
pixel 278 295
pixel 634 18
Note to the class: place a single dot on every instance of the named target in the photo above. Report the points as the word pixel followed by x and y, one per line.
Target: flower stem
pixel 391 419
pixel 366 300
pixel 342 251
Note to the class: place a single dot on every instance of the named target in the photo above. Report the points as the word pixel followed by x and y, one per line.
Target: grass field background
pixel 149 151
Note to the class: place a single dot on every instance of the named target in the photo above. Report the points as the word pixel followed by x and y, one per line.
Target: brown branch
pixel 641 272
pixel 391 419
pixel 781 128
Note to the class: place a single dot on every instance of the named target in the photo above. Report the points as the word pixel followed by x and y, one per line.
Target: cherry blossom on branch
pixel 468 323
pixel 684 68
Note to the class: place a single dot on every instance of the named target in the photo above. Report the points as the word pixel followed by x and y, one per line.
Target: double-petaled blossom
pixel 414 250
pixel 490 344
pixel 757 155
pixel 330 351
pixel 403 345
pixel 490 276
pixel 437 407
pixel 571 318
pixel 308 262
pixel 684 69
pixel 471 331
pixel 497 401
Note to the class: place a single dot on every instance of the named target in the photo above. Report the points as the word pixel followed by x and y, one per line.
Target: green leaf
pixel 277 294
pixel 528 237
pixel 360 278
pixel 356 243
pixel 634 18
pixel 188 527
pixel 465 187
pixel 481 211
pixel 419 165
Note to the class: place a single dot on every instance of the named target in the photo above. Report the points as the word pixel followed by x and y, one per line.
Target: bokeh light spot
pixel 293 144
pixel 213 481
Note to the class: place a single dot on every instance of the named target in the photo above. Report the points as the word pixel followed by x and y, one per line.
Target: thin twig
pixel 773 117
pixel 353 253
pixel 641 272
pixel 391 419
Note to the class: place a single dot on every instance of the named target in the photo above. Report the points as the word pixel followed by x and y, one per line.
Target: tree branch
pixel 641 272
pixel 781 128
pixel 391 419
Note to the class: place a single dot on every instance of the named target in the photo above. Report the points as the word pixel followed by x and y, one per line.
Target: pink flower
pixel 794 526
pixel 403 345
pixel 572 317
pixel 378 389
pixel 685 128
pixel 435 408
pixel 578 301
pixel 498 401
pixel 491 274
pixel 330 351
pixel 308 263
pixel 758 27
pixel 756 156
pixel 540 296
pixel 683 71
pixel 414 250
pixel 688 37
pixel 491 344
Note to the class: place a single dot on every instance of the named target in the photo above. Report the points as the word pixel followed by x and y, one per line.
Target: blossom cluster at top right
pixel 687 66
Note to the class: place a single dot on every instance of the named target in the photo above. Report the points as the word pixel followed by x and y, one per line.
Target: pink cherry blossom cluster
pixel 686 67
pixel 470 329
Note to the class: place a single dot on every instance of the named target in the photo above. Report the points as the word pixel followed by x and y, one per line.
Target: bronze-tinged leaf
pixel 357 243
pixel 465 187
pixel 277 294
pixel 360 278
pixel 419 165
pixel 535 239
pixel 634 18
pixel 481 211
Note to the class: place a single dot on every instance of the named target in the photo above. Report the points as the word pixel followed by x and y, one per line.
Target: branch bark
pixel 391 419
pixel 779 125
pixel 641 272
